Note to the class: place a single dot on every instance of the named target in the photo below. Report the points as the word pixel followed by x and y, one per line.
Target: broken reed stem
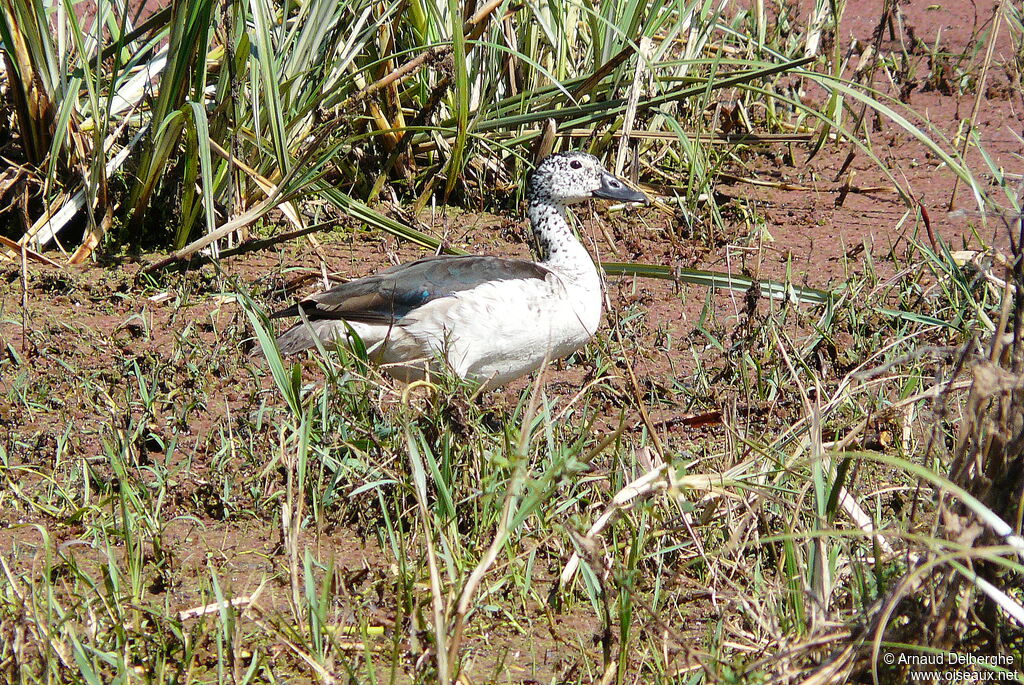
pixel 652 481
pixel 255 244
pixel 15 251
pixel 238 222
pixel 287 208
pixel 642 57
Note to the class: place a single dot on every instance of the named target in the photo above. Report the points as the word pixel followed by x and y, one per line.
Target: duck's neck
pixel 558 247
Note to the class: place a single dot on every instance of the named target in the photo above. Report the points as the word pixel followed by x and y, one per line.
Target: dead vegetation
pixel 792 456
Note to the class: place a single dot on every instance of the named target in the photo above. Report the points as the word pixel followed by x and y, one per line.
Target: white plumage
pixel 490 320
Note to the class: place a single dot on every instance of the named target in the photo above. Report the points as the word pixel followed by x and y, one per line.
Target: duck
pixel 488 319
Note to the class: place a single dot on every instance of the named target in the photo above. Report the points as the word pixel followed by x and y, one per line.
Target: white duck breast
pixel 502 330
pixel 489 319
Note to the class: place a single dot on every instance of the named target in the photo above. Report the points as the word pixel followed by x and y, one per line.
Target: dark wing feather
pixel 393 293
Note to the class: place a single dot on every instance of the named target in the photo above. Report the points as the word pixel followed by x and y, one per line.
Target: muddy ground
pixel 87 326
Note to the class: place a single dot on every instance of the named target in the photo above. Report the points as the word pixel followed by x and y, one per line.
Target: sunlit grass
pixel 843 442
pixel 470 511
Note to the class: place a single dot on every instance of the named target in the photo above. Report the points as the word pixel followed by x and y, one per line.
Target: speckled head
pixel 569 177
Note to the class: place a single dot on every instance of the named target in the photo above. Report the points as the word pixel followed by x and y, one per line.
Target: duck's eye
pixel 576 164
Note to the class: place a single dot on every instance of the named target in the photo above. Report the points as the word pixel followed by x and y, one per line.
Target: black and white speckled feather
pixel 489 319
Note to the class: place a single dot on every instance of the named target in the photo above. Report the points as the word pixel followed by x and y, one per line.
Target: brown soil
pixel 88 327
